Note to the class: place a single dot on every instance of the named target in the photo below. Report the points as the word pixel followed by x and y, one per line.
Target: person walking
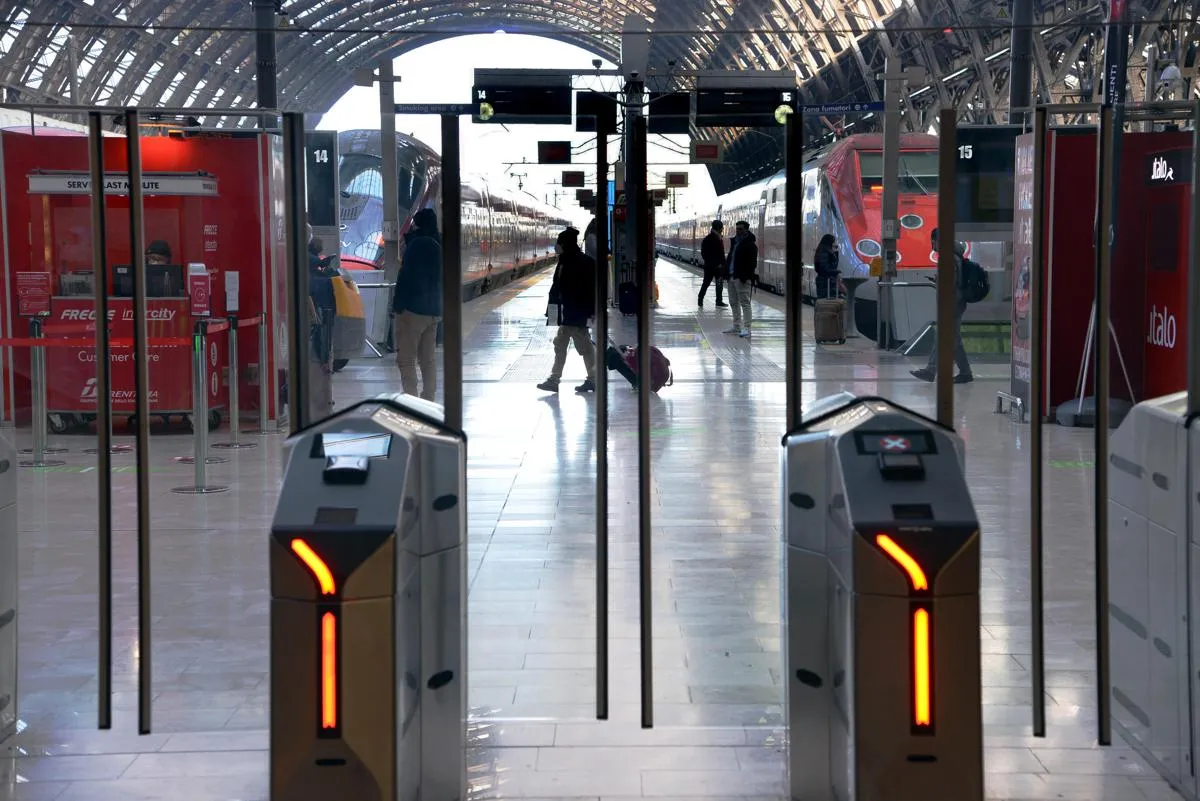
pixel 742 267
pixel 417 306
pixel 929 371
pixel 573 293
pixel 712 255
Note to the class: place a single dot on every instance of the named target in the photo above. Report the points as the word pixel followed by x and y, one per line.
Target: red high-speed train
pixel 843 186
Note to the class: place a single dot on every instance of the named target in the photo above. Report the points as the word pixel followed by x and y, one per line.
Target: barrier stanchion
pixel 264 400
pixel 235 414
pixel 37 359
pixel 200 457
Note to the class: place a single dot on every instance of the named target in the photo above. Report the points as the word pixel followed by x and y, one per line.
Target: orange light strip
pixel 915 574
pixel 922 691
pixel 316 564
pixel 328 671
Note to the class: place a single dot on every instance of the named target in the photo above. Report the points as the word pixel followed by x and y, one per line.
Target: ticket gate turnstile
pixel 881 609
pixel 8 587
pixel 368 652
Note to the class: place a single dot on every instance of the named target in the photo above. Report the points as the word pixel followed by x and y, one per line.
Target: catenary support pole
pixel 1106 158
pixel 452 302
pixel 103 422
pixel 1037 412
pixel 947 272
pixel 141 386
pixel 601 373
pixel 266 67
pixel 299 317
pixel 794 272
pixel 1020 85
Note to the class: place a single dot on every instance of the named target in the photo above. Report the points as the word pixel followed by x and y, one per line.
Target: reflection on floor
pixel 718 697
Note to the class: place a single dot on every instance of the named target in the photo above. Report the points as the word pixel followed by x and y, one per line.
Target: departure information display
pixel 986 163
pixel 321 164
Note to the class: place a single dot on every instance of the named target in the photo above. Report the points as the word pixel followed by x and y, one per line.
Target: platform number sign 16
pixel 966 152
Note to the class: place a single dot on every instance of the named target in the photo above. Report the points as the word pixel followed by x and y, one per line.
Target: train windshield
pixel 918 171
pixel 361 179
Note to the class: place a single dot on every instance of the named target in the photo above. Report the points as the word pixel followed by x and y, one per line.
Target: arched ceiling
pixel 202 52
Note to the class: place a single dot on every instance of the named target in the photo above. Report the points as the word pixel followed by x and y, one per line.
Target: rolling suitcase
pixel 829 320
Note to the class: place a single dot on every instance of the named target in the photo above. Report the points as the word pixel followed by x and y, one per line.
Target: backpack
pixel 975 281
pixel 660 367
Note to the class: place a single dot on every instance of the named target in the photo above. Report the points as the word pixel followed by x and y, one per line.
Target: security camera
pixel 596 63
pixel 671 63
pixel 634 75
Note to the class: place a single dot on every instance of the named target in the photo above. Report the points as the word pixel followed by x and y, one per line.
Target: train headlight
pixel 868 248
pixel 911 222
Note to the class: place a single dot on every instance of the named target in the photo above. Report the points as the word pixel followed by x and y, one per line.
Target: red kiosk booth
pixel 214 202
pixel 1149 264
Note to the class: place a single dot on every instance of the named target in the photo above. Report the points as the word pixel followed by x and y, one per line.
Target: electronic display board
pixel 985 167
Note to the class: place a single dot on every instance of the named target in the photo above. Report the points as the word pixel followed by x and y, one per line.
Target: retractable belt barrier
pixel 881 617
pixel 367 561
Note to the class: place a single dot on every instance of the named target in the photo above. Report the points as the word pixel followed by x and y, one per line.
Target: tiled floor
pixel 716 586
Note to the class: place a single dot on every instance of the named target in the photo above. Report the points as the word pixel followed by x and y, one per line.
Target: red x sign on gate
pixel 896 444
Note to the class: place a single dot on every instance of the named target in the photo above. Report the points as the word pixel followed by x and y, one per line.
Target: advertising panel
pixel 1022 313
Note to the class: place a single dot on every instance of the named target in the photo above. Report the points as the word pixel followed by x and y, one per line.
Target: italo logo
pixel 1160 170
pixel 1163 329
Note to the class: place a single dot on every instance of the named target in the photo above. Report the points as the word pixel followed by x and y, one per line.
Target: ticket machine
pixel 881 608
pixel 367 549
pixel 8 587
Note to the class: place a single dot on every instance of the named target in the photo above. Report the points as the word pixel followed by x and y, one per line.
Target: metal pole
pixel 200 406
pixel 601 379
pixel 1193 367
pixel 37 365
pixel 103 420
pixel 1037 412
pixel 235 392
pixel 1106 142
pixel 265 377
pixel 141 386
pixel 635 182
pixel 452 301
pixel 794 273
pixel 265 63
pixel 299 319
pixel 947 272
pixel 391 175
pixel 889 224
pixel 1020 70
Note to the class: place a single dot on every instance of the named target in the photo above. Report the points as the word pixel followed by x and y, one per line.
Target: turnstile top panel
pixel 1172 407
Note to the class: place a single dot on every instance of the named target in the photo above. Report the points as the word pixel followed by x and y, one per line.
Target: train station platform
pixel 716 583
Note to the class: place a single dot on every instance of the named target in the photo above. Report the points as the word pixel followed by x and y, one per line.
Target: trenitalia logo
pixel 89 315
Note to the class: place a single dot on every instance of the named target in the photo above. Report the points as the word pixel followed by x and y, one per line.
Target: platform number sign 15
pixel 966 152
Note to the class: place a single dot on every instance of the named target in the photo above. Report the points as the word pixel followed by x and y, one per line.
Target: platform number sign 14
pixel 321 156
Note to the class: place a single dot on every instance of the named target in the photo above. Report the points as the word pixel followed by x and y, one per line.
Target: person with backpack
pixel 712 254
pixel 742 265
pixel 573 292
pixel 971 286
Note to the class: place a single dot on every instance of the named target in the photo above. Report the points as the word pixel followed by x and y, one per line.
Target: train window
pixel 918 171
pixel 361 175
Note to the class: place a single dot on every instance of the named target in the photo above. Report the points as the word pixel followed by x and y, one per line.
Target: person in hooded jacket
pixel 712 254
pixel 574 293
pixel 743 268
pixel 322 309
pixel 417 305
pixel 825 265
pixel 929 371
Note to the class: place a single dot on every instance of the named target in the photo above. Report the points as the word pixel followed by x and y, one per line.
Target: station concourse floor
pixel 716 583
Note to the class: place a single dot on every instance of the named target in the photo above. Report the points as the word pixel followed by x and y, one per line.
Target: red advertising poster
pixel 33 294
pixel 71 371
pixel 1022 312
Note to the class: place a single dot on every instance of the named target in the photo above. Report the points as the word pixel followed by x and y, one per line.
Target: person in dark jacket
pixel 417 305
pixel 825 264
pixel 712 256
pixel 322 309
pixel 574 293
pixel 929 371
pixel 742 267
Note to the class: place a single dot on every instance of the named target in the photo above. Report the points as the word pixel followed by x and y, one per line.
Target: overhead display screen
pixel 987 160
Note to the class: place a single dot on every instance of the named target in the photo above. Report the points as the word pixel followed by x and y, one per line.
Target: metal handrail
pixel 929 284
